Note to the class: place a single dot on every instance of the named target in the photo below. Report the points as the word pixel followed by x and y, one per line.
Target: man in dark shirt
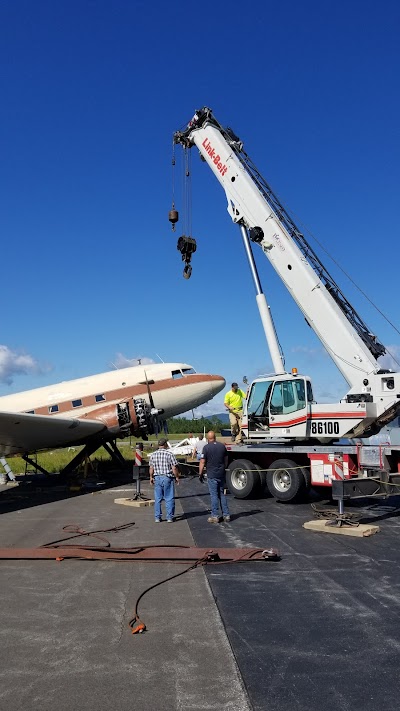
pixel 215 459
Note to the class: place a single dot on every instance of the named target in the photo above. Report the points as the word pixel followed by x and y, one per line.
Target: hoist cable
pixel 173 175
pixel 184 191
pixel 189 185
pixel 187 192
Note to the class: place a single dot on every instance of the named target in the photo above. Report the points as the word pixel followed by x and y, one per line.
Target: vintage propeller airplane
pixel 96 410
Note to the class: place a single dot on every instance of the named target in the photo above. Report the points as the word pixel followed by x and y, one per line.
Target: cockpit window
pixel 181 373
pixel 176 374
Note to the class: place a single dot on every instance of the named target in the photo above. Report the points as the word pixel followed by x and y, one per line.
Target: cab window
pixel 258 396
pixel 300 393
pixel 176 374
pixel 288 396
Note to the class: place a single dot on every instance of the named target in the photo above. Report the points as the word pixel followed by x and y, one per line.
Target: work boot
pixel 213 519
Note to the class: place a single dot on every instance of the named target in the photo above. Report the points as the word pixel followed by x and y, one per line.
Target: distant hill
pixel 222 417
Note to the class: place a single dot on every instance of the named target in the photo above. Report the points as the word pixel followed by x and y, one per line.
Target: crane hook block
pixel 186 246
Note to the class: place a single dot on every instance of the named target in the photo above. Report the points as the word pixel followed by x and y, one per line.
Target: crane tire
pixel 286 481
pixel 244 478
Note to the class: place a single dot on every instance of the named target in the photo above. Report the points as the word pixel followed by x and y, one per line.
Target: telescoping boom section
pixel 373 398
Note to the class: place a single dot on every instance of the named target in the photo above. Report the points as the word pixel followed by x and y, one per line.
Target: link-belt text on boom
pixel 214 156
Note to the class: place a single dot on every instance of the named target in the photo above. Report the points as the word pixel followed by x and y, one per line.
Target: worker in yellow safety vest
pixel 234 404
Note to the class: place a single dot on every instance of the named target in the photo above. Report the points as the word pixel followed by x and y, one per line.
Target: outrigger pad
pixel 324 525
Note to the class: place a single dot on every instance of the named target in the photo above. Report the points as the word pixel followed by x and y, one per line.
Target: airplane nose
pixel 217 384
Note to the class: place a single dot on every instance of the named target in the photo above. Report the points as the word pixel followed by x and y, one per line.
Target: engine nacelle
pixel 146 417
pixel 123 419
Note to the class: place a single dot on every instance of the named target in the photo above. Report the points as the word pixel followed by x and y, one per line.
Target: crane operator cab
pixel 279 406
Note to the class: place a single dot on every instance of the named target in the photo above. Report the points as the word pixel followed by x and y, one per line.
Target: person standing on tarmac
pixel 198 447
pixel 215 459
pixel 163 471
pixel 233 402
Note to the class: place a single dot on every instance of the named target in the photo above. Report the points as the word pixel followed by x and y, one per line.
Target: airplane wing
pixel 21 433
pixel 182 447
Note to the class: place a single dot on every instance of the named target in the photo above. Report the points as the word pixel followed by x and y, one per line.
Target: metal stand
pixel 137 472
pixel 340 518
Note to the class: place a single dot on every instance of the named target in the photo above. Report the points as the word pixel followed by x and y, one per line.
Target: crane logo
pixel 215 157
pixel 278 241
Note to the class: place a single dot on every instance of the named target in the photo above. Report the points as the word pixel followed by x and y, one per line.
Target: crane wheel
pixel 244 478
pixel 287 481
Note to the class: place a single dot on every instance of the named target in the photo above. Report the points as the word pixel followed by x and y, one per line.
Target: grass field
pixel 54 461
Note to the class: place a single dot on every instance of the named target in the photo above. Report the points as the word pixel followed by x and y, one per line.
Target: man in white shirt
pixel 198 447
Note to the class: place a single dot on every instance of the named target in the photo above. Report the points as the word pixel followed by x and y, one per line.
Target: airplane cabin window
pixel 30 412
pixel 188 371
pixel 77 403
pixel 176 374
pixel 53 408
pixel 100 398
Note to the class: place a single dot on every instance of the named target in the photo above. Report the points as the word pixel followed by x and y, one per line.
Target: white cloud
pixel 17 363
pixel 329 392
pixel 210 408
pixel 121 361
pixel 213 407
pixel 310 354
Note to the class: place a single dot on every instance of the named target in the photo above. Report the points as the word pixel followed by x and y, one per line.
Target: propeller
pixel 154 412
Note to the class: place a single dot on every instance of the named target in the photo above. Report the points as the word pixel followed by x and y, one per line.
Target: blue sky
pixel 91 93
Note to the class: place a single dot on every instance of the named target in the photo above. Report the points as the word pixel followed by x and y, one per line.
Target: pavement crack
pixel 125 609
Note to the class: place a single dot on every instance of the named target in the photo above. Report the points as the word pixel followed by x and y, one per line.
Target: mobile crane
pixel 281 417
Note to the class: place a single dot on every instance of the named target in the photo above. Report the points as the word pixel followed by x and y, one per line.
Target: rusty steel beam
pixel 152 554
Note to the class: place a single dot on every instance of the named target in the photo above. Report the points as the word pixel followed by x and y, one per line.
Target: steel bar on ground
pixel 154 554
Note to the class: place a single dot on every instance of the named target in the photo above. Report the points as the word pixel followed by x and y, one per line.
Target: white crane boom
pixel 255 208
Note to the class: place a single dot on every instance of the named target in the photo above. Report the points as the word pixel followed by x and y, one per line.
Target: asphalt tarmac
pixel 318 630
pixel 65 639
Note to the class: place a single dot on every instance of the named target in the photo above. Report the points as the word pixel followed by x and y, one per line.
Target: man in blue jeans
pixel 164 471
pixel 215 459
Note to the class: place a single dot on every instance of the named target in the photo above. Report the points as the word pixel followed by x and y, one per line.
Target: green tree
pixel 180 425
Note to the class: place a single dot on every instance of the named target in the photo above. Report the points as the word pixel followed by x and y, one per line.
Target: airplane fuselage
pixel 175 388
